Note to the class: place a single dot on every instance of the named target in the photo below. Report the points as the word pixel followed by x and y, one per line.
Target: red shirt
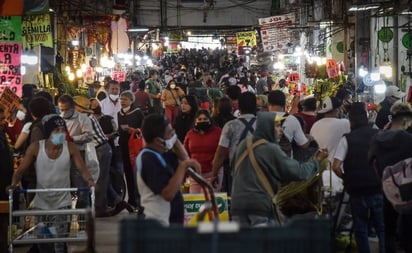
pixel 202 147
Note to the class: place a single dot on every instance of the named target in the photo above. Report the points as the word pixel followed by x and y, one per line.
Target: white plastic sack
pixel 92 163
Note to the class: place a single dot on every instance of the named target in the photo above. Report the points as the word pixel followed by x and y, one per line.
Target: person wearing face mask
pixel 201 143
pixel 161 168
pixel 80 130
pixel 129 118
pixel 52 157
pixel 111 106
pixel 171 100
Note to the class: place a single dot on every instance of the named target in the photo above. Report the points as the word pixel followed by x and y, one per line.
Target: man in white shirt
pixel 291 127
pixel 327 132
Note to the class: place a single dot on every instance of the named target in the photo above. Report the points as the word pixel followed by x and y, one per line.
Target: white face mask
pixel 169 143
pixel 113 97
pixel 20 115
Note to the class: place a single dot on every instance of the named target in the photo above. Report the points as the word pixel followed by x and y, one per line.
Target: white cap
pixel 329 104
pixel 394 91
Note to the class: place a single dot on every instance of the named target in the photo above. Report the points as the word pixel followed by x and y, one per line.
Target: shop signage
pixel 273 31
pixel 193 202
pixel 10 29
pixel 246 39
pixel 407 40
pixel 36 30
pixel 10 102
pixel 119 76
pixel 10 60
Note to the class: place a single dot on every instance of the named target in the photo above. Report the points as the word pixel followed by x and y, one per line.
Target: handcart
pixel 210 206
pixel 51 226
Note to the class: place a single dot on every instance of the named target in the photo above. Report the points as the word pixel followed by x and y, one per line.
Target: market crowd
pixel 207 111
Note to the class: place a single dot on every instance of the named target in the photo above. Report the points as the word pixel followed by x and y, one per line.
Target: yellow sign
pixel 36 30
pixel 246 39
pixel 193 202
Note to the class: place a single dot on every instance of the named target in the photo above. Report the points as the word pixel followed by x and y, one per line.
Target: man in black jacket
pixel 360 179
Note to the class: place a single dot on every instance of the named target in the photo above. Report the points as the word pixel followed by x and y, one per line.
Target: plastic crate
pixel 147 236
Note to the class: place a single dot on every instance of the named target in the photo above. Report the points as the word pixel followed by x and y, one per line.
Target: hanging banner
pixel 11 7
pixel 119 76
pixel 10 29
pixel 36 30
pixel 273 31
pixel 10 60
pixel 10 102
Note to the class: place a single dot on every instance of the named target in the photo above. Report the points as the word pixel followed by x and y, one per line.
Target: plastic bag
pixel 92 163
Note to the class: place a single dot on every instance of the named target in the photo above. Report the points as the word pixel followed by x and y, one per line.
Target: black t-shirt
pixel 156 177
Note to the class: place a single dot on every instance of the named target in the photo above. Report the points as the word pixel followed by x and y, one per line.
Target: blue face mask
pixel 58 138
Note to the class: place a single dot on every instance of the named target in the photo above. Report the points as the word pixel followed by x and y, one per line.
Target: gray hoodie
pixel 248 194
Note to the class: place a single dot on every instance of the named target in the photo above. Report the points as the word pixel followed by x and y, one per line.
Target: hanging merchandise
pixel 332 68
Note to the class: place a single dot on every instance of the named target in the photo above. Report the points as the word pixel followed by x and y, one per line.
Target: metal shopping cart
pixel 59 226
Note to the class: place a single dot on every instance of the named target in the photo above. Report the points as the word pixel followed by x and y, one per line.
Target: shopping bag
pixel 397 185
pixel 92 163
pixel 136 143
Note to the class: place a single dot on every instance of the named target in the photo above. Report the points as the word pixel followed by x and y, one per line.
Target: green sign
pixel 194 205
pixel 10 29
pixel 407 40
pixel 385 34
pixel 340 47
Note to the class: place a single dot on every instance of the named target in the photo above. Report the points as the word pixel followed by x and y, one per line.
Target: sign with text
pixel 246 39
pixel 10 102
pixel 10 29
pixel 193 202
pixel 119 76
pixel 274 33
pixel 10 62
pixel 36 30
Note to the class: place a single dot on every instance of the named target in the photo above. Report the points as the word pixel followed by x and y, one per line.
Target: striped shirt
pixel 99 137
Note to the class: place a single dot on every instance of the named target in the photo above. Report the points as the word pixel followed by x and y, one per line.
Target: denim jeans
pixel 363 209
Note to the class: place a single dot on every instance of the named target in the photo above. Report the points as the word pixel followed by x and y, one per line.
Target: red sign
pixel 119 76
pixel 10 63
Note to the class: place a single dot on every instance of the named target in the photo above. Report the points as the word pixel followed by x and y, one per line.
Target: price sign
pixel 10 63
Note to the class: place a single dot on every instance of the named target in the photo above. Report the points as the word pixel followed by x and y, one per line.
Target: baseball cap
pixel 394 91
pixel 329 104
pixel 279 118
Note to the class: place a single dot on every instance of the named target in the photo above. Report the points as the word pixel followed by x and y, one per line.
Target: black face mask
pixel 97 110
pixel 203 126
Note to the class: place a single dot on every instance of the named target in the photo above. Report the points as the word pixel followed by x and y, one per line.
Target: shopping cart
pixel 51 226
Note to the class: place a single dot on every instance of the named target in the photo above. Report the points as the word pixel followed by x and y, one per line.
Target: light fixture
pixel 279 66
pixel 138 29
pixel 71 76
pixel 79 73
pixel 386 70
pixel 364 7
pixel 75 43
pixel 380 87
pixel 375 75
pixel 363 72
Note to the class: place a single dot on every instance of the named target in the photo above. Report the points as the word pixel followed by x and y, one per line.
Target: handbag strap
pixel 245 153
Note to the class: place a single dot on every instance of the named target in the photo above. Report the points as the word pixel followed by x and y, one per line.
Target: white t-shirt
pixel 342 149
pixel 328 132
pixel 26 128
pixel 292 129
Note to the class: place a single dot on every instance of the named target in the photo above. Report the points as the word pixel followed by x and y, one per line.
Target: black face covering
pixel 203 126
pixel 97 110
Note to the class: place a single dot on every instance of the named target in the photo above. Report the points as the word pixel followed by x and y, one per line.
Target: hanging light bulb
pixel 79 73
pixel 71 76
